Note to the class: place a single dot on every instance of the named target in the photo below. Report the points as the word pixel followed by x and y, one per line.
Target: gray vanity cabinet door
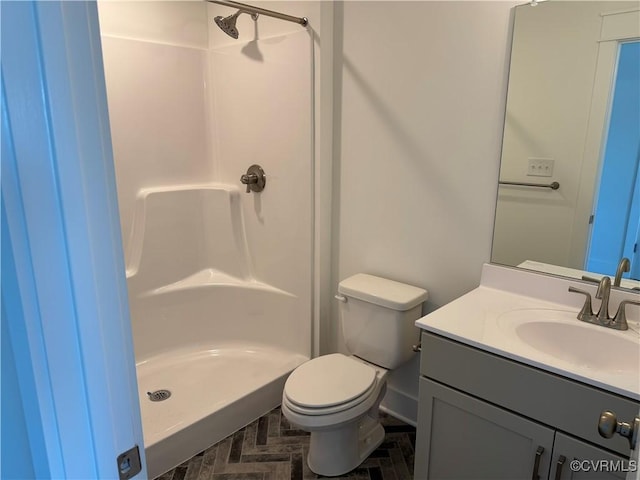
pixel 461 437
pixel 590 463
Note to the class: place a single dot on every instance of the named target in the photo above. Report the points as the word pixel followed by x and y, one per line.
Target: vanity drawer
pixel 551 399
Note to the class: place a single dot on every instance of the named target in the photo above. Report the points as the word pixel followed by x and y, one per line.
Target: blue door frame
pixel 65 314
pixel 617 207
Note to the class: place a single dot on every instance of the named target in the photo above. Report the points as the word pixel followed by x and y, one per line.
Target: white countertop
pixel 473 319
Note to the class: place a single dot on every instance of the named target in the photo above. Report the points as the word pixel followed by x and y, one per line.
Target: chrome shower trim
pixel 262 11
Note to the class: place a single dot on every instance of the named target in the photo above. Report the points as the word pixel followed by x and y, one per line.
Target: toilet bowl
pixel 336 397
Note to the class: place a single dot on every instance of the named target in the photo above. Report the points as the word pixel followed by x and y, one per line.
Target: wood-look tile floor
pixel 271 449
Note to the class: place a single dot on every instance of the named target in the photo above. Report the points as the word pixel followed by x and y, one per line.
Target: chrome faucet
pixel 623 266
pixel 603 292
pixel 254 179
pixel 618 322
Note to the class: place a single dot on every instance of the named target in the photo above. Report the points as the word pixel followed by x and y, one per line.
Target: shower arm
pixel 262 11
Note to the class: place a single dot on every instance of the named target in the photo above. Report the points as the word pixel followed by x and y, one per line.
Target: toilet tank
pixel 377 317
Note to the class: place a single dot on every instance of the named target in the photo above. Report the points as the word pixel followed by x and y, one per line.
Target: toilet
pixel 336 397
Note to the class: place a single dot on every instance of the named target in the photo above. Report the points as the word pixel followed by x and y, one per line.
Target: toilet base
pixel 338 451
pixel 342 440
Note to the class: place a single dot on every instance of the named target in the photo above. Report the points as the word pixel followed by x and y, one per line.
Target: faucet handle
pixel 602 293
pixel 586 313
pixel 254 179
pixel 619 322
pixel 249 179
pixel 587 278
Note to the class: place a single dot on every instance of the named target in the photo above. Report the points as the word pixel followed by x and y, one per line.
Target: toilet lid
pixel 329 380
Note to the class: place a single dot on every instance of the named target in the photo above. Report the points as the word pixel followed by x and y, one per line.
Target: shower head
pixel 228 24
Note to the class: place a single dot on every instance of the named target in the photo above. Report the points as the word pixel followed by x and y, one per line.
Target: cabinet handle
pixel 536 463
pixel 559 466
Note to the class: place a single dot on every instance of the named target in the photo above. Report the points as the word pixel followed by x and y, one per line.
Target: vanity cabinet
pixel 469 438
pixel 485 416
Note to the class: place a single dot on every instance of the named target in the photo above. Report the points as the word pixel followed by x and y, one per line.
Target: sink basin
pixel 561 335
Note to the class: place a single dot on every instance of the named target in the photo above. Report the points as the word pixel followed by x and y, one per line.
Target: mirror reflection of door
pixel 616 215
pixel 563 62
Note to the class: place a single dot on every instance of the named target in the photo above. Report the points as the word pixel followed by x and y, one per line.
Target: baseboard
pixel 401 406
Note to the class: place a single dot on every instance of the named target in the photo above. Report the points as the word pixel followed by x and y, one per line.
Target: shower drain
pixel 159 395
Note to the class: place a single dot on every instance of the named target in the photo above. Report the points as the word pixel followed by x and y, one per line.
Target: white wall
pixel 422 92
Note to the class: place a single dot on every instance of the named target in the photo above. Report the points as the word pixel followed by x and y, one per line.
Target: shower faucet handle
pixel 254 179
pixel 248 179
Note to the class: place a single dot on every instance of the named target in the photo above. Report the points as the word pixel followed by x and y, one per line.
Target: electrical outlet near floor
pixel 540 167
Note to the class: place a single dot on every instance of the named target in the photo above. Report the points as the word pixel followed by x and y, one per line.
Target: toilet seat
pixel 328 410
pixel 329 384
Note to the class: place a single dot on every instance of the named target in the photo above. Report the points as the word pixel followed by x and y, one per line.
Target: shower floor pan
pixel 214 392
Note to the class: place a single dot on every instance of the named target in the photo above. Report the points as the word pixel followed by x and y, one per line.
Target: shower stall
pixel 220 274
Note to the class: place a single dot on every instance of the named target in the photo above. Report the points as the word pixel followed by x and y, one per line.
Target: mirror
pixel 572 122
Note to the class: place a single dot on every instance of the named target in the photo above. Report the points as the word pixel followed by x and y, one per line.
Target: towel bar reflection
pixel 552 186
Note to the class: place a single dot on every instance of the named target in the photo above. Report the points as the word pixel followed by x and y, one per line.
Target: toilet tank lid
pixel 382 291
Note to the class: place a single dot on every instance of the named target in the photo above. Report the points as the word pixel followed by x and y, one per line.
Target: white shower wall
pixel 190 107
pixel 257 96
pixel 262 115
pixel 155 56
